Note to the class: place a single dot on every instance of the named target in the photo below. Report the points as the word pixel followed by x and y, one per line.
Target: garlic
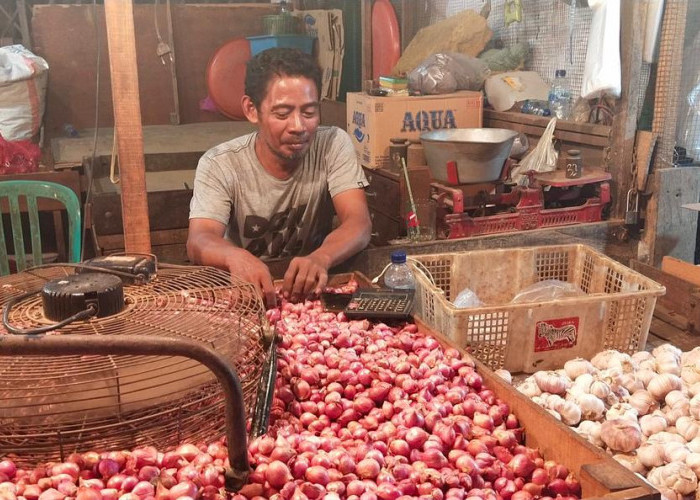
pixel 505 375
pixel 620 392
pixel 622 411
pixel 652 424
pixel 690 373
pixel 667 362
pixel 668 494
pixel 552 382
pixel 602 359
pixel 621 435
pixel 611 399
pixel 694 406
pixel 630 462
pixel 675 397
pixel 675 452
pixel 622 362
pixel 691 357
pixel 643 402
pixel 600 389
pixel 694 445
pixel 584 382
pixel 640 356
pixel 694 389
pixel 664 438
pixel 673 413
pixel 538 400
pixel 693 461
pixel 591 407
pixel 530 388
pixel 662 384
pixel 630 382
pixel 591 430
pixel 688 428
pixel 651 455
pixel 645 376
pixel 574 393
pixel 570 412
pixel 576 367
pixel 648 364
pixel 554 414
pixel 611 376
pixel 676 476
pixel 657 351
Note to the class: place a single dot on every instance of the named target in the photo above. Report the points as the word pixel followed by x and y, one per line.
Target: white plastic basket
pixel 615 313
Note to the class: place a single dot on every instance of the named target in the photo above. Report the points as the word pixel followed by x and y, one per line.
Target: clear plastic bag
pixel 447 72
pixel 547 290
pixel 467 299
pixel 541 159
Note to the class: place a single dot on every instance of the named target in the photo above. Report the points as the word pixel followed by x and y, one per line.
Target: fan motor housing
pixel 64 297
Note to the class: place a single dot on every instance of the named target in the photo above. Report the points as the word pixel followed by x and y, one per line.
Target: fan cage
pixel 52 406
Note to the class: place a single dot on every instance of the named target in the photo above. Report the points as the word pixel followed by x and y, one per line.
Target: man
pixel 272 193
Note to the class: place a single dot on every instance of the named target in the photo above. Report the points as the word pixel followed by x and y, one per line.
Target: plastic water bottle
pixel 535 107
pixel 399 276
pixel 560 96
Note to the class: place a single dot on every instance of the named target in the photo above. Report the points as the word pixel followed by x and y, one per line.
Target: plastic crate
pixel 305 43
pixel 615 313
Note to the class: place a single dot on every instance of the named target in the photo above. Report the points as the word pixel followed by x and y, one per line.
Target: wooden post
pixel 119 16
pixel 632 14
pixel 366 18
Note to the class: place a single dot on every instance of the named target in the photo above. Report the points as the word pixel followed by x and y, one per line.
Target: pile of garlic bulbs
pixel 644 409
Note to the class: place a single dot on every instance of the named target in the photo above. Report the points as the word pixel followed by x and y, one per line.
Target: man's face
pixel 288 117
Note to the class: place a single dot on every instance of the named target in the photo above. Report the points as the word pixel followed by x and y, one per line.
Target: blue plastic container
pixel 305 43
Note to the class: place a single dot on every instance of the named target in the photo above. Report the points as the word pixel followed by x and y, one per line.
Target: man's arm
pixel 207 246
pixel 310 273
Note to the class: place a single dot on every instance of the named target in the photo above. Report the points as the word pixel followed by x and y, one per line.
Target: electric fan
pixel 56 404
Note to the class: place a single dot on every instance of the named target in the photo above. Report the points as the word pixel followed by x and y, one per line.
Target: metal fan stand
pixel 64 345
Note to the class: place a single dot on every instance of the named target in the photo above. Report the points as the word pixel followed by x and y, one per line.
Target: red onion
pixel 67 488
pixel 143 489
pixel 355 487
pixel 317 474
pixel 277 474
pixel 128 483
pixel 573 485
pixel 184 489
pixel 107 494
pixel 51 494
pixel 89 494
pixel 172 459
pixel 108 468
pixel 558 486
pixel 521 465
pixel 148 472
pixel 368 468
pixel 98 484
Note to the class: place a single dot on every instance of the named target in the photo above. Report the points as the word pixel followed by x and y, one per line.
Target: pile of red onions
pixel 361 411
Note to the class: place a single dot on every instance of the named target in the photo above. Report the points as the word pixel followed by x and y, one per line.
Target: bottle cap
pixel 560 73
pixel 398 257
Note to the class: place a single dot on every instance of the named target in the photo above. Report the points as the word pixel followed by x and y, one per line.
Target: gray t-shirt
pixel 267 216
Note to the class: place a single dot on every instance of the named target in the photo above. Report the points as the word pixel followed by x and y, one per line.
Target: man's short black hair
pixel 277 62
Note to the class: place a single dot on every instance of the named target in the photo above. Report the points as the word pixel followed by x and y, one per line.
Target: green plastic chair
pixel 31 190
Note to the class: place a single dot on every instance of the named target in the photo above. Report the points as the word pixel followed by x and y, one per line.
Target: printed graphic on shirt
pixel 277 237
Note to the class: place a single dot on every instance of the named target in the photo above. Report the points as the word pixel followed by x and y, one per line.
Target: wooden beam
pixel 366 18
pixel 632 14
pixel 121 38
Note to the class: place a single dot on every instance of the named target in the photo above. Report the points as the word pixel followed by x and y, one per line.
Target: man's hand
pixel 246 266
pixel 304 276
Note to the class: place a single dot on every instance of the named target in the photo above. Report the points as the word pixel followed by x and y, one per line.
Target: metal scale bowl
pixel 472 166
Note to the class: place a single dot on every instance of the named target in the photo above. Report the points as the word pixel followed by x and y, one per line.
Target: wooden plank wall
pixel 66 37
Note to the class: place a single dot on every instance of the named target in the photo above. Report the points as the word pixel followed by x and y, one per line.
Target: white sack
pixel 602 73
pixel 23 77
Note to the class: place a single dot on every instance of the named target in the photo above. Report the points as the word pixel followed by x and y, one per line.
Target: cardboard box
pixel 373 121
